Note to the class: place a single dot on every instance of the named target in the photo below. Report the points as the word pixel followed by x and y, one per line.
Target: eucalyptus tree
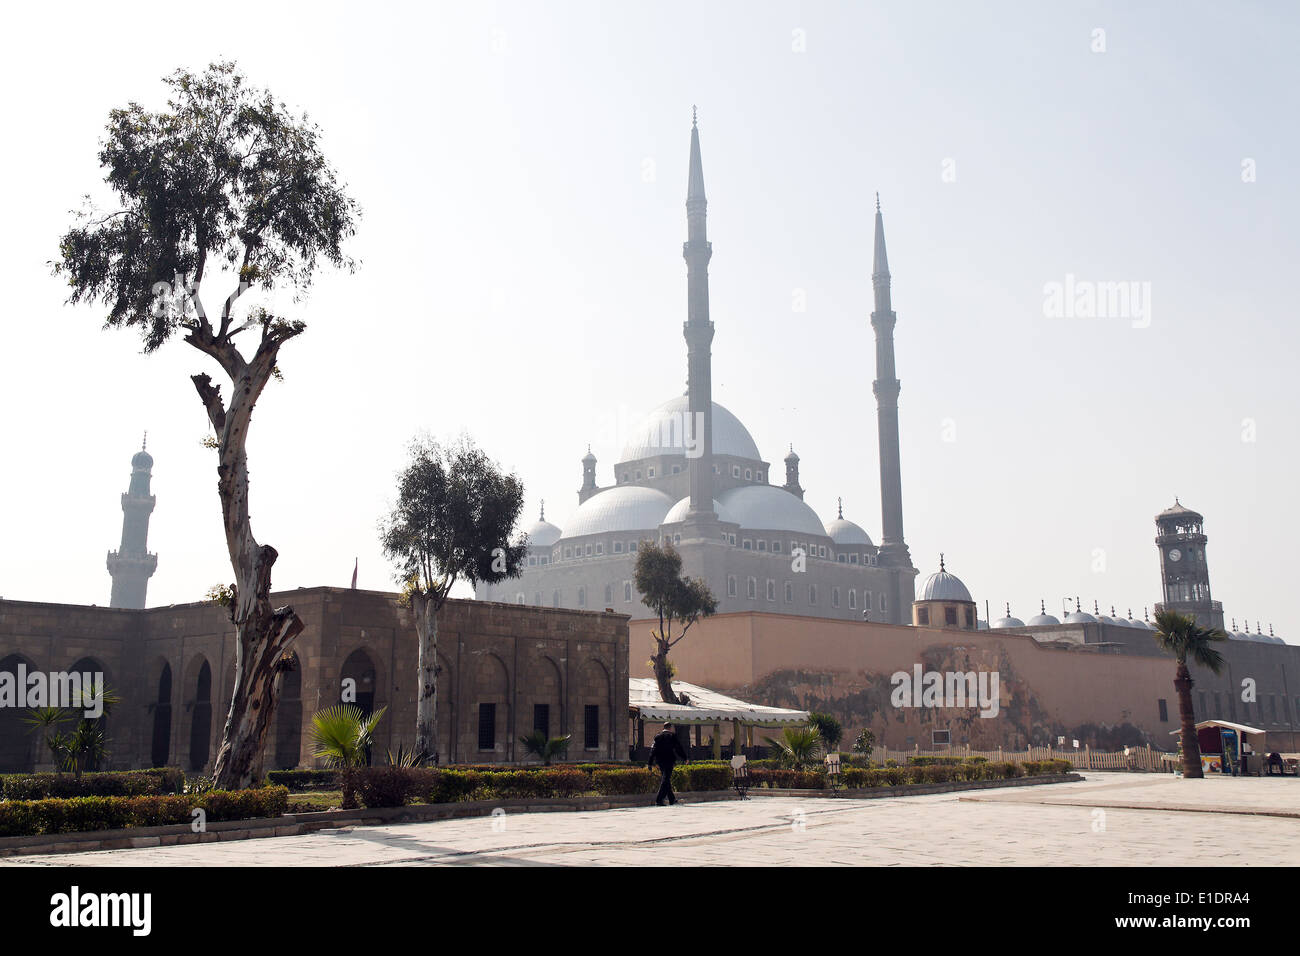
pixel 223 183
pixel 674 599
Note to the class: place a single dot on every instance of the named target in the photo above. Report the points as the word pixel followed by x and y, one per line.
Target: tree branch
pixel 211 397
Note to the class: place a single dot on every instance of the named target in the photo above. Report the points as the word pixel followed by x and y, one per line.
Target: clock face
pixel 1175 555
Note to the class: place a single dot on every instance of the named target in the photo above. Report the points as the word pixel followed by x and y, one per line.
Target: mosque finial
pixel 877 202
pixel 694 118
pixel 1008 609
pixel 543 509
pixel 841 507
pixel 144 442
pixel 1042 606
pixel 941 567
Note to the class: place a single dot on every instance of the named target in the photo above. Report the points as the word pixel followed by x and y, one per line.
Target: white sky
pixel 521 279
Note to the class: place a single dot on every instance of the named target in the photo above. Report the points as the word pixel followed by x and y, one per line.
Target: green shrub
pixel 81 814
pixel 128 783
pixel 789 779
pixel 299 781
pixel 612 782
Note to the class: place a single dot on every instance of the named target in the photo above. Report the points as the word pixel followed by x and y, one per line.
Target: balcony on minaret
pixel 146 561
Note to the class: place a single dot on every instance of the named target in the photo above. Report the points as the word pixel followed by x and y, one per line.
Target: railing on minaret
pixel 132 565
pixel 893 548
pixel 698 331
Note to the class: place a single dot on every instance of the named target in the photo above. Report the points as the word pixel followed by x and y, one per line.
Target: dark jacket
pixel 667 748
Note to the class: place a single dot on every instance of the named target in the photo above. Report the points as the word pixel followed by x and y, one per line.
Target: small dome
pixel 1008 621
pixel 1042 618
pixel 142 461
pixel 678 511
pixel 1080 617
pixel 543 534
pixel 659 433
pixel 621 508
pixel 769 508
pixel 845 532
pixel 1178 510
pixel 943 586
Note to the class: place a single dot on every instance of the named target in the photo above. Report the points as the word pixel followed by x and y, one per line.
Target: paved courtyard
pixel 1109 818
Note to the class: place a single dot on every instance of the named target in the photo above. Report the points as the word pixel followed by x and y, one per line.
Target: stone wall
pixel 173 669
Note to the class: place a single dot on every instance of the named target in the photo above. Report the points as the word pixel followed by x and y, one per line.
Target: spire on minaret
pixel 792 475
pixel 893 547
pixel 698 331
pixel 588 477
pixel 131 565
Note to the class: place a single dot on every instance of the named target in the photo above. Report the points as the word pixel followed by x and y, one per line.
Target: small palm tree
pixel 343 735
pixel 798 746
pixel 1185 639
pixel 86 744
pixel 545 747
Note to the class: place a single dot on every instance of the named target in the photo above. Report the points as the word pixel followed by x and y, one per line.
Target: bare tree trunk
pixel 1187 721
pixel 663 674
pixel 426 704
pixel 263 635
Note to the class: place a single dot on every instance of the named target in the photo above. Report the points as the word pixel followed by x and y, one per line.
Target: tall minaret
pixel 698 330
pixel 132 565
pixel 893 549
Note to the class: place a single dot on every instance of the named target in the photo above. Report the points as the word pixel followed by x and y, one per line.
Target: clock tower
pixel 1184 574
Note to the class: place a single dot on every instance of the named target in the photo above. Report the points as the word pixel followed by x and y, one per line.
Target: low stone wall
pixel 920 789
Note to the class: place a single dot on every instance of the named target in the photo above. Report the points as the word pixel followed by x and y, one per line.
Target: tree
pixel 545 747
pixel 343 736
pixel 86 744
pixel 673 598
pixel 454 515
pixel 1185 639
pixel 797 746
pixel 865 743
pixel 225 179
pixel 828 728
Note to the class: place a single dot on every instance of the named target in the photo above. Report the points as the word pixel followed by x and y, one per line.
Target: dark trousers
pixel 666 786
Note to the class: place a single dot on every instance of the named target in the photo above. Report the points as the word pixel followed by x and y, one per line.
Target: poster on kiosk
pixel 1229 738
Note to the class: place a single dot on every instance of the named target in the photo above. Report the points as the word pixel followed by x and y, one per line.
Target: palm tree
pixel 798 746
pixel 343 736
pixel 1184 638
pixel 545 747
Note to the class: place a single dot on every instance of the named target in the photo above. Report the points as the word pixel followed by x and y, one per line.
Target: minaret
pixel 792 475
pixel 893 549
pixel 698 331
pixel 131 565
pixel 588 477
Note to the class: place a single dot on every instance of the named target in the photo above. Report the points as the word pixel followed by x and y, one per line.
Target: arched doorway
pixel 288 716
pixel 201 721
pixel 162 719
pixel 18 742
pixel 358 684
pixel 88 668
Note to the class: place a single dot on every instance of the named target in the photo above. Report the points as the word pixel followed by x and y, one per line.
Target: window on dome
pixel 749 474
pixel 747 545
pixel 600 549
pixel 771 590
pixel 842 558
pixel 853 559
pixel 638 476
pixel 532 560
pixel 883 602
pixel 812 594
pixel 582 597
pixel 631 545
pixel 735 471
pixel 618 547
pixel 677 539
pixel 545 559
pixel 627 591
pixel 555 599
pixel 789 593
pixel 950 616
pixel 568 552
pixel 853 598
pixel 821 551
pixel 970 618
pixel 676 469
pixel 731 585
pixel 835 597
pixel 776 546
pixel 762 546
pixel 609 594
pixel 923 616
pixel 751 589
pixel 650 473
pixel 731 540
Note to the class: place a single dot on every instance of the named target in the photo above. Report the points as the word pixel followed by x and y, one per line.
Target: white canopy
pixel 1240 728
pixel 705 707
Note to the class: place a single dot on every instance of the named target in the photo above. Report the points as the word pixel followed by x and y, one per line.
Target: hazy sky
pixel 522 170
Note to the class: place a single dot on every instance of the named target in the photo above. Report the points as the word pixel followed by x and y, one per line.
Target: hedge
pixel 78 814
pixel 128 783
pixel 299 781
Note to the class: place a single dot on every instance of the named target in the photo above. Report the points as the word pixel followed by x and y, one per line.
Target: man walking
pixel 667 748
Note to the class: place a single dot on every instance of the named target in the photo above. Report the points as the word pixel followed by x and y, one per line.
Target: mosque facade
pixel 693 476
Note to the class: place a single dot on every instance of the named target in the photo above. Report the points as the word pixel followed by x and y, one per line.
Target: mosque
pixel 692 475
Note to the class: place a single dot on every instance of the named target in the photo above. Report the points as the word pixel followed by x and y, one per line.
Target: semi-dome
pixel 660 433
pixel 769 508
pixel 678 511
pixel 621 508
pixel 846 533
pixel 943 586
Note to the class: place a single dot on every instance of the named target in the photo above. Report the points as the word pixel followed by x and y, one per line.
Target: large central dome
pixel 660 433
